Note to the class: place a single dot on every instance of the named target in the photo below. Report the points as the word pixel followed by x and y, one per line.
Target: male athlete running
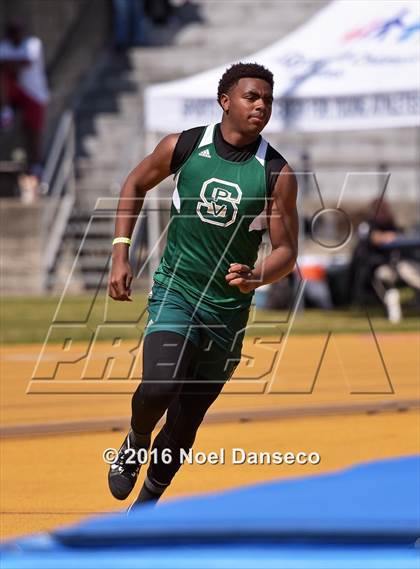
pixel 230 186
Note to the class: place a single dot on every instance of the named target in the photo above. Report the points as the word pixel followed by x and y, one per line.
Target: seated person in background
pixel 375 264
pixel 23 85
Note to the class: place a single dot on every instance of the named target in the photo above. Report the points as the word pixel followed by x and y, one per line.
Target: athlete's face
pixel 248 105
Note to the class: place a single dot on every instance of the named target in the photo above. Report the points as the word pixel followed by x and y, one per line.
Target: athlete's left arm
pixel 283 227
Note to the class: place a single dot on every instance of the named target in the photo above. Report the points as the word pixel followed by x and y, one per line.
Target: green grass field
pixel 27 320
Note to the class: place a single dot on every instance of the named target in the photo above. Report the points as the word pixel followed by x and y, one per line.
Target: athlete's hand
pixel 241 276
pixel 119 284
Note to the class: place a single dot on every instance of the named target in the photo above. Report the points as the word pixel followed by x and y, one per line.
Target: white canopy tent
pixel 354 65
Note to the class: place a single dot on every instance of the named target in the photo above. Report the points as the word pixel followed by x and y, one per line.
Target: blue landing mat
pixel 366 516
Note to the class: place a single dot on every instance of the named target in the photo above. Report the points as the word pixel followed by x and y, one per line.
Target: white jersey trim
pixel 208 136
pixel 176 199
pixel 262 151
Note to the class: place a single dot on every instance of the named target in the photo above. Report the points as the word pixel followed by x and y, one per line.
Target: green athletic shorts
pixel 217 333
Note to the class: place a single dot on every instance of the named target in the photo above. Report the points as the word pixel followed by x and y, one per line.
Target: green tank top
pixel 218 217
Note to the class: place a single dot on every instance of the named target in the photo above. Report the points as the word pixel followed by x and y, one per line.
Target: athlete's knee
pixel 180 429
pixel 147 407
pixel 154 394
pixel 195 405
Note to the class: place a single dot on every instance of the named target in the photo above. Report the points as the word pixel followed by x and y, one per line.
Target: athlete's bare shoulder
pixel 166 146
pixel 156 166
pixel 161 156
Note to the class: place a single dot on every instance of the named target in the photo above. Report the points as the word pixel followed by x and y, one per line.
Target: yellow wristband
pixel 126 240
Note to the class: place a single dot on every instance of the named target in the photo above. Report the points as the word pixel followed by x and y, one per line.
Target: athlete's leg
pixel 166 359
pixel 212 367
pixel 184 417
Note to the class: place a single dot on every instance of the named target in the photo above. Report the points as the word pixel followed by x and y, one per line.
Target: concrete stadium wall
pixel 21 247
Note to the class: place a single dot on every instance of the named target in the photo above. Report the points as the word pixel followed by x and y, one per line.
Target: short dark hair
pixel 240 70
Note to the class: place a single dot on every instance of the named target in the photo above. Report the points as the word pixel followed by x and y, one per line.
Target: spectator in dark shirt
pixel 381 266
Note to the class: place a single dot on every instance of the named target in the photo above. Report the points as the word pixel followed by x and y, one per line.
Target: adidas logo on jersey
pixel 205 153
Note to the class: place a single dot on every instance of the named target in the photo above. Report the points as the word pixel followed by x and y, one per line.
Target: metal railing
pixel 58 190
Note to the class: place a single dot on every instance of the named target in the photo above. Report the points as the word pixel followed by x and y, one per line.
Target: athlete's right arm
pixel 145 176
